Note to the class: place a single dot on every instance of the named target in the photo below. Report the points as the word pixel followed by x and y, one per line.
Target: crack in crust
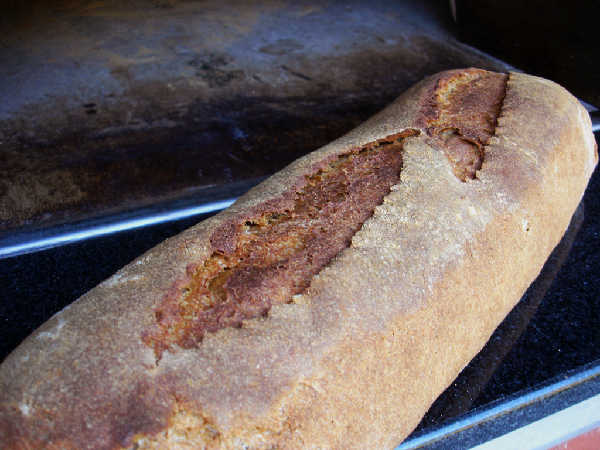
pixel 269 257
pixel 461 116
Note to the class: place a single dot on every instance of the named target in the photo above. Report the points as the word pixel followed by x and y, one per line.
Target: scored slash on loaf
pixel 330 305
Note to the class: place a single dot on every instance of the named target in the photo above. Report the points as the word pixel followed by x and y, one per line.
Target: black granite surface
pixel 554 329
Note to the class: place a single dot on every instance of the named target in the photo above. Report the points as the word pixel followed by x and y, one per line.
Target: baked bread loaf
pixel 329 306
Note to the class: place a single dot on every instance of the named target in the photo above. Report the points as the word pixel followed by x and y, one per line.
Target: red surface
pixel 586 441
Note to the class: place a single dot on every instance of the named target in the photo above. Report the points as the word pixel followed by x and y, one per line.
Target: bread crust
pixel 355 360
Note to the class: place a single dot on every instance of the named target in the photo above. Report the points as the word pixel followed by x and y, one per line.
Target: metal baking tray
pixel 113 108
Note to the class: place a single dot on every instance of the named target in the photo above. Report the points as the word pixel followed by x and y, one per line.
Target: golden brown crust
pixel 265 258
pixel 461 116
pixel 417 292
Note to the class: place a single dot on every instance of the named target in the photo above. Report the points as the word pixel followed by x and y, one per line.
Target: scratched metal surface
pixel 111 106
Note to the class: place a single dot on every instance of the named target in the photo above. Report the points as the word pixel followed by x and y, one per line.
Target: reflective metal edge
pixel 204 201
pixel 556 429
pixel 595 115
pixel 28 242
pixel 497 410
